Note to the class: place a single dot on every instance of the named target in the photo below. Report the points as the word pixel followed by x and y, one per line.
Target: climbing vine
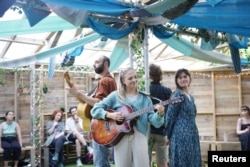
pixel 136 45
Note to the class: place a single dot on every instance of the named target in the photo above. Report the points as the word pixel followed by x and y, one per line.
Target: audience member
pixel 74 131
pixel 243 128
pixel 55 136
pixel 157 138
pixel 11 139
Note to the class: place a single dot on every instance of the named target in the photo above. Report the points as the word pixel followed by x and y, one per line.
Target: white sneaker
pixel 90 149
pixel 78 162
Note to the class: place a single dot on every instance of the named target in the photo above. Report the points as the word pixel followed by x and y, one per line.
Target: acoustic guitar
pixel 109 132
pixel 83 109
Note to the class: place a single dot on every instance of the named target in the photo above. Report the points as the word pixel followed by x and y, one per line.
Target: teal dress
pixel 182 132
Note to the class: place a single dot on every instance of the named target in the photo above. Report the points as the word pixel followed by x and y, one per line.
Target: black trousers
pixel 11 145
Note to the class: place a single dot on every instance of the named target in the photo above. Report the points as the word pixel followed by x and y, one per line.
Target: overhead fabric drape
pixel 5 5
pixel 107 7
pixel 35 15
pixel 119 54
pixel 189 49
pixel 28 60
pixel 234 45
pixel 109 31
pixel 231 16
pixel 21 27
pixel 74 16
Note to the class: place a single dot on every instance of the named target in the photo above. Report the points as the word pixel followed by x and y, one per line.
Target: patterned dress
pixel 182 132
pixel 245 138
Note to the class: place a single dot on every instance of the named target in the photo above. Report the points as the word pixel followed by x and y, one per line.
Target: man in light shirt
pixel 74 131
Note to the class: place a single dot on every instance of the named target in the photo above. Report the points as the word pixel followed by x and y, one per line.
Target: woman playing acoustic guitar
pixel 131 149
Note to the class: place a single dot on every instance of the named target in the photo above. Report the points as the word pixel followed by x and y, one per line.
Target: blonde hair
pixel 121 86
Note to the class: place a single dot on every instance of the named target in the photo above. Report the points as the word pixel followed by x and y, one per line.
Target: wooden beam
pixel 159 54
pixel 6 47
pixel 240 90
pixel 47 38
pixel 213 105
pixel 23 40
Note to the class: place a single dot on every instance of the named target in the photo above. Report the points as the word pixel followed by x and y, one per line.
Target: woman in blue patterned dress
pixel 180 125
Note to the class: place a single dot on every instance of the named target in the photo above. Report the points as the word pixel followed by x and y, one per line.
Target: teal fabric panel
pixel 119 54
pixel 182 46
pixel 20 27
pixel 106 7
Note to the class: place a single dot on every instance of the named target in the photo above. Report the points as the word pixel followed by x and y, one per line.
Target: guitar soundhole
pixel 119 122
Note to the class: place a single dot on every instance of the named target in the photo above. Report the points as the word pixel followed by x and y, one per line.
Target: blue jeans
pixel 101 155
pixel 58 144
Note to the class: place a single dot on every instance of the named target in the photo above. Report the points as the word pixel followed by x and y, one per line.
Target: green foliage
pixel 245 53
pixel 2 76
pixel 45 85
pixel 136 45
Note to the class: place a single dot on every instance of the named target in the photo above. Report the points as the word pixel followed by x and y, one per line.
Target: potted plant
pixel 45 88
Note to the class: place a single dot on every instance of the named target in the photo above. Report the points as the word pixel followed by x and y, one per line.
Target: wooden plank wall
pixel 218 95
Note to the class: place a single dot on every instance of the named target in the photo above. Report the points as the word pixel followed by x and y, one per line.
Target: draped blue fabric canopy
pixel 231 16
pixel 106 7
pixel 226 16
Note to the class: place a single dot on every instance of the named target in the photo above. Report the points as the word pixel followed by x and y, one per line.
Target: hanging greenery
pixel 136 45
pixel 2 76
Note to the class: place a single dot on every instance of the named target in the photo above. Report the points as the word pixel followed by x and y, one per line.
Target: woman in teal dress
pixel 180 125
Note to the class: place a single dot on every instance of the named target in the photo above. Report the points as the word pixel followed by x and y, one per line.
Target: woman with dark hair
pixel 11 139
pixel 55 130
pixel 243 128
pixel 181 127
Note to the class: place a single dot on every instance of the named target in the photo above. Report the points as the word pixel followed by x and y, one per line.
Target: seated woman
pixel 11 139
pixel 243 128
pixel 55 131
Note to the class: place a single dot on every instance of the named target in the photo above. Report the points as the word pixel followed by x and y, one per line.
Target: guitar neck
pixel 145 110
pixel 139 112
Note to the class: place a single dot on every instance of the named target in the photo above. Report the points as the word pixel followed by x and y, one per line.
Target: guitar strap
pixel 92 91
pixel 150 96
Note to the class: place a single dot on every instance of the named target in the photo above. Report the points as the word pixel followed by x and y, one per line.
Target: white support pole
pixel 131 62
pixel 32 104
pixel 145 57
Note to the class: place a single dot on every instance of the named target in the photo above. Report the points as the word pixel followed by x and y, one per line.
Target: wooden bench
pixel 32 154
pixel 46 154
pixel 217 146
pixel 228 146
pixel 69 151
pixel 205 147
